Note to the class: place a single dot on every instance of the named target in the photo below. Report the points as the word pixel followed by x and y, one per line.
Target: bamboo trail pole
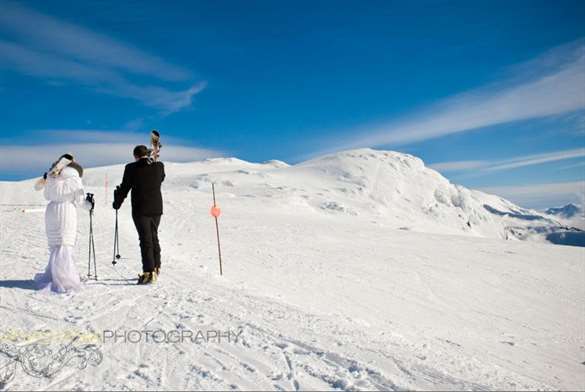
pixel 215 212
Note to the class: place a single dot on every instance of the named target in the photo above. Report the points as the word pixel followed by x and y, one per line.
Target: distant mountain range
pixel 568 211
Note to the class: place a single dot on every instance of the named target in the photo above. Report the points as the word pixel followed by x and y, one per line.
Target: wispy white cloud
pixel 538 159
pixel 78 43
pixel 573 166
pixel 91 148
pixel 64 136
pixel 61 136
pixel 550 85
pixel 487 166
pixel 458 165
pixel 579 124
pixel 542 195
pixel 134 124
pixel 55 49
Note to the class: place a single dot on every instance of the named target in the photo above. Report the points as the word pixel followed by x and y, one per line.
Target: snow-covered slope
pixel 398 189
pixel 356 270
pixel 394 189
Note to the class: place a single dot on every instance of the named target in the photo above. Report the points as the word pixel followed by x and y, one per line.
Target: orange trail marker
pixel 215 212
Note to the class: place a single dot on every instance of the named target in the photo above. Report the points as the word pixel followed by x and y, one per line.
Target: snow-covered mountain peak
pixel 568 211
pixel 365 158
pixel 224 161
pixel 276 163
pixel 388 188
pixel 398 189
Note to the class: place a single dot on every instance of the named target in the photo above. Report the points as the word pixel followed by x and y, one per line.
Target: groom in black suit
pixel 144 177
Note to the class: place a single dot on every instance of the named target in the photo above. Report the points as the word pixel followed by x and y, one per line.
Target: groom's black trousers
pixel 147 227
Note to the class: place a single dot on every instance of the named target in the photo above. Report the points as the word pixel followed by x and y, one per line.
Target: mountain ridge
pixel 387 187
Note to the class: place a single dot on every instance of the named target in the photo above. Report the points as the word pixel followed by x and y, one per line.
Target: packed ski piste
pixel 359 270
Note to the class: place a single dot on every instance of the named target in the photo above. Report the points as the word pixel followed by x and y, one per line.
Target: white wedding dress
pixel 65 193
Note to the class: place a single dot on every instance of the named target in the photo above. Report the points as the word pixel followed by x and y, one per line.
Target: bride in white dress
pixel 65 193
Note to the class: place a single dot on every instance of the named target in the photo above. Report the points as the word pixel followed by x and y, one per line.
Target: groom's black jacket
pixel 144 178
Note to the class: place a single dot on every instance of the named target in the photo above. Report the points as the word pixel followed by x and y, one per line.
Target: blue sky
pixel 492 94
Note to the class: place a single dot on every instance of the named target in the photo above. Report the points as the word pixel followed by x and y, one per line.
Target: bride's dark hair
pixel 76 166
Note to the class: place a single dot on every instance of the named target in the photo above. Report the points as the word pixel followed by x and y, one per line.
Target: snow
pixel 356 270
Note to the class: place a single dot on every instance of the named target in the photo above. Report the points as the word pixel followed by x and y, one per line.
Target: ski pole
pixel 116 256
pixel 215 212
pixel 89 251
pixel 91 245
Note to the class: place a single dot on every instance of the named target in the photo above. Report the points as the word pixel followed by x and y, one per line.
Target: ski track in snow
pixel 325 301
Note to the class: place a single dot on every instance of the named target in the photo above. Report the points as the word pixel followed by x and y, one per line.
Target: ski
pixel 54 171
pixel 155 145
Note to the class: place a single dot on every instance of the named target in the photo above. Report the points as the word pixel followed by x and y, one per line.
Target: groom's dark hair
pixel 140 151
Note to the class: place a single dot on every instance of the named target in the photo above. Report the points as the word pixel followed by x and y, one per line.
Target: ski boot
pixel 147 278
